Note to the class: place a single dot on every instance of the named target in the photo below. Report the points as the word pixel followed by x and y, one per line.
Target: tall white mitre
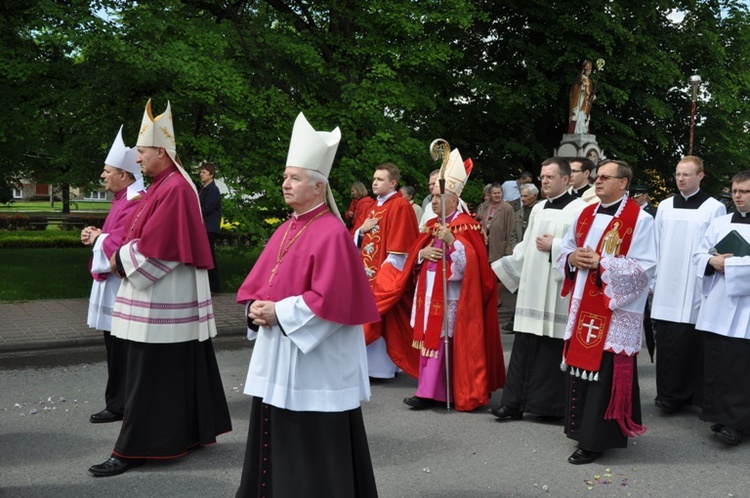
pixel 314 150
pixel 159 132
pixel 457 172
pixel 122 157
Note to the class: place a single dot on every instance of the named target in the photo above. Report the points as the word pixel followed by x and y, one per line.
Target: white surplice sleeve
pixel 142 271
pixel 737 273
pixel 305 329
pixel 99 260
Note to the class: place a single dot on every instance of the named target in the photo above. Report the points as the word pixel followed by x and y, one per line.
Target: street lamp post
pixel 695 82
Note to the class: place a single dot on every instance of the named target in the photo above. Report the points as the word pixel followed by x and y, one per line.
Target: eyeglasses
pixel 545 177
pixel 606 177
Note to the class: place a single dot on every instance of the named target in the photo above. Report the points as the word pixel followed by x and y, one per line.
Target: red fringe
pixel 620 406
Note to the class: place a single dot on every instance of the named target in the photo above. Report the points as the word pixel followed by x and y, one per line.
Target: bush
pixel 18 222
pixel 39 239
pixel 38 222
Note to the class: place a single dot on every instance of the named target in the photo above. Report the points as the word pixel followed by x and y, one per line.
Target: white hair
pixel 315 177
pixel 530 188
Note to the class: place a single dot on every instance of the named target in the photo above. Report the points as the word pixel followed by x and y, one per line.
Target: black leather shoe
pixel 418 403
pixel 115 466
pixel 104 417
pixel 502 412
pixel 581 456
pixel 668 406
pixel 730 436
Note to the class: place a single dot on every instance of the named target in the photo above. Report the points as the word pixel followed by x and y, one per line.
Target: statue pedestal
pixel 579 145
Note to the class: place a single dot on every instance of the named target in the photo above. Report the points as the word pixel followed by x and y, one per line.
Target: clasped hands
pixel 263 313
pixel 584 258
pixel 89 235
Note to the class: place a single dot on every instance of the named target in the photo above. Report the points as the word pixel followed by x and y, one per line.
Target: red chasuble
pixel 168 223
pixel 396 232
pixel 478 366
pixel 313 256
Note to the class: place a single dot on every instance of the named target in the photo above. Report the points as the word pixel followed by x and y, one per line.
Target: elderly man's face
pixel 451 203
pixel 528 199
pixel 298 193
pixel 609 187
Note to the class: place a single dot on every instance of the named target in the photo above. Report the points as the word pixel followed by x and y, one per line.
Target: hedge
pixel 10 240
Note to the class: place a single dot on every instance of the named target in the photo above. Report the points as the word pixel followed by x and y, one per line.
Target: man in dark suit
pixel 641 197
pixel 210 198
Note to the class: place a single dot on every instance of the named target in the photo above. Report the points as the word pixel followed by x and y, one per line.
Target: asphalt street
pixel 47 443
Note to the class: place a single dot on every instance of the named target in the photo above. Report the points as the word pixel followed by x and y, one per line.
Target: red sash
pixel 585 347
pixel 427 339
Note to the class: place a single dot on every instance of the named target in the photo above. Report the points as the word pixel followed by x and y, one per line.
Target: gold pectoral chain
pixel 283 250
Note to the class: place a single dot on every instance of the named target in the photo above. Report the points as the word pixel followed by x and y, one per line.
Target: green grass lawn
pixel 44 207
pixel 31 274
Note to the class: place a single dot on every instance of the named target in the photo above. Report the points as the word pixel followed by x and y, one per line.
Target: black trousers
pixel 117 369
pixel 213 274
pixel 587 403
pixel 679 363
pixel 534 382
pixel 726 383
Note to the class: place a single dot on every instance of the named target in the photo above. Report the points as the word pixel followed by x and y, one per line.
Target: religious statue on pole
pixel 582 96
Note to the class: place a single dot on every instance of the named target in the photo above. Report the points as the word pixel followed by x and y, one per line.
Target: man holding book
pixel 723 266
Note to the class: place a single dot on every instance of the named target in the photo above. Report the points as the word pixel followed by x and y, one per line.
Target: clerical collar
pixel 383 198
pixel 740 217
pixel 578 192
pixel 693 201
pixel 316 208
pixel 560 201
pixel 610 208
pixel 686 197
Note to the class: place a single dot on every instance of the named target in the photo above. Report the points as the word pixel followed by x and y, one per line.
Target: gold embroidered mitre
pixel 457 173
pixel 158 131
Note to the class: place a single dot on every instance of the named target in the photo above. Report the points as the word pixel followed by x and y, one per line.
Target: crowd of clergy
pixel 392 287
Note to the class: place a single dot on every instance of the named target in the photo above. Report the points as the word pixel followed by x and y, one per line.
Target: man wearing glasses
pixel 725 320
pixel 681 222
pixel 580 171
pixel 607 260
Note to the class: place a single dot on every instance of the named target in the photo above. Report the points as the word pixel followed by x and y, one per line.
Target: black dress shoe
pixel 668 406
pixel 418 403
pixel 581 456
pixel 114 466
pixel 502 412
pixel 730 436
pixel 105 416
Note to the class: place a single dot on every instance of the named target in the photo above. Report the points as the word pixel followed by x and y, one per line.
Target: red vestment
pixel 396 232
pixel 477 364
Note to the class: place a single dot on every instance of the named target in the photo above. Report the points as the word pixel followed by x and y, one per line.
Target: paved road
pixel 47 443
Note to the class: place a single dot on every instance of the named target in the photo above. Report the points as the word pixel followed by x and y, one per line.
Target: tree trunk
pixel 65 190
